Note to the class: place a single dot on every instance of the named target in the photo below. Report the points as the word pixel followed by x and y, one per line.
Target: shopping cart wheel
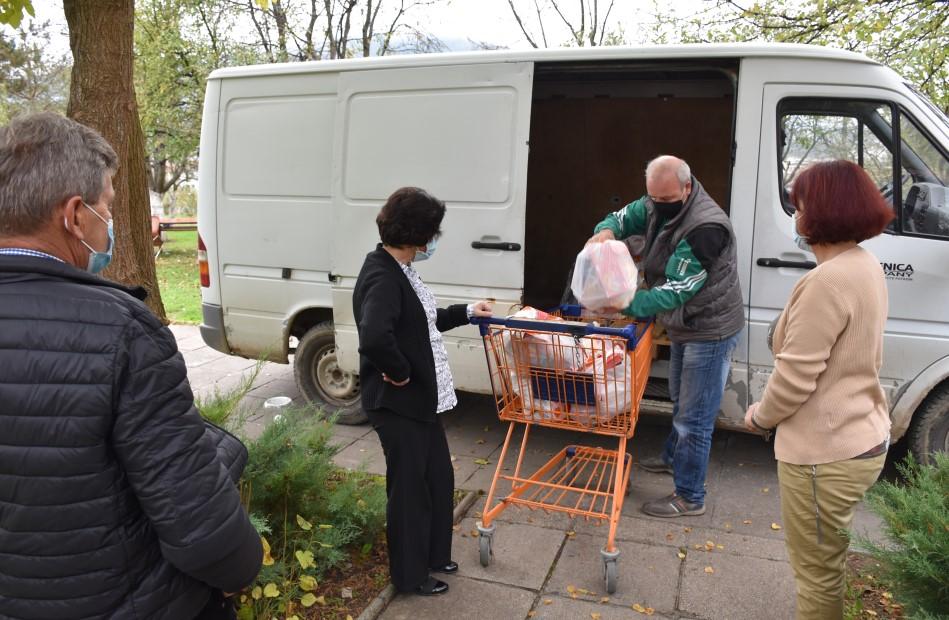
pixel 485 541
pixel 609 575
pixel 484 549
pixel 610 571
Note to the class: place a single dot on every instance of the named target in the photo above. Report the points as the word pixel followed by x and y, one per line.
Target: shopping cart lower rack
pixel 570 374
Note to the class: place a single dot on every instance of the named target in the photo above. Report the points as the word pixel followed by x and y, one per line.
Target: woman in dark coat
pixel 406 383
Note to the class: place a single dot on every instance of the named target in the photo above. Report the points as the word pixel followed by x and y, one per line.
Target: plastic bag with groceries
pixel 604 276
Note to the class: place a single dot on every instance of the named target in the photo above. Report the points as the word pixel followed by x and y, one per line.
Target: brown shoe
pixel 673 506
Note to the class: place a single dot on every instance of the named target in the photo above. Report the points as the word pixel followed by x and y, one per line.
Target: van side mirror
pixel 926 211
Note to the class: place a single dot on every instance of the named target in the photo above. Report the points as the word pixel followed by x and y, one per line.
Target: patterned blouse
pixel 446 388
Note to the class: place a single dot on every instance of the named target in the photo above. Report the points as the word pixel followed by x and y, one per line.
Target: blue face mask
pixel 428 252
pixel 799 241
pixel 100 260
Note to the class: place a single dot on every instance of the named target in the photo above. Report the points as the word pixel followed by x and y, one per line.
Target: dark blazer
pixel 116 500
pixel 393 339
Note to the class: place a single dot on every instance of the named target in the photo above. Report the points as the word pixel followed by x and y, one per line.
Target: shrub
pixel 915 514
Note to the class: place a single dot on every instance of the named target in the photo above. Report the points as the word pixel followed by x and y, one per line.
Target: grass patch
pixel 178 280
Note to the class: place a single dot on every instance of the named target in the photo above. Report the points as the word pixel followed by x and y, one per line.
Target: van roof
pixel 643 52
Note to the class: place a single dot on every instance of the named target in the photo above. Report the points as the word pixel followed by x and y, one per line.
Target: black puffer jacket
pixel 114 502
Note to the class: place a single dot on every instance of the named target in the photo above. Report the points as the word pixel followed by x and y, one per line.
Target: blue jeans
pixel 697 375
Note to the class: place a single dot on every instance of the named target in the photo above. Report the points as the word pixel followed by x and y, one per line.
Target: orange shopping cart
pixel 571 373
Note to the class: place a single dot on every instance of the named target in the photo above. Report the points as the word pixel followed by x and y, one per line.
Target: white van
pixel 530 150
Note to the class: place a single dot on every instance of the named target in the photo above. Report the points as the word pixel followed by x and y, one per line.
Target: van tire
pixel 320 379
pixel 929 430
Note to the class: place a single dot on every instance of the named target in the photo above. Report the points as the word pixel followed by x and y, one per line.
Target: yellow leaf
pixel 307 583
pixel 263 4
pixel 305 558
pixel 594 615
pixel 870 612
pixel 548 601
pixel 681 555
pixel 325 546
pixel 571 589
pixel 747 521
pixel 308 599
pixel 348 617
pixel 531 614
pixel 304 524
pixel 605 599
pixel 709 570
pixel 256 593
pixel 293 617
pixel 687 529
pixel 271 590
pixel 720 547
pixel 639 608
pixel 775 526
pixel 321 600
pixel 268 559
pixel 324 526
pixel 480 441
pixel 765 490
pixel 481 461
pixel 650 611
pixel 571 534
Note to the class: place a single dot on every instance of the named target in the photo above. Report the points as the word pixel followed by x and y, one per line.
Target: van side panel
pixel 274 222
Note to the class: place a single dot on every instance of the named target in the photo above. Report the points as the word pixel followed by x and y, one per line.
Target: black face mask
pixel 668 210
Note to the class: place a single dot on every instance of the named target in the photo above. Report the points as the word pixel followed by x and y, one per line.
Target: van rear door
pixel 461 133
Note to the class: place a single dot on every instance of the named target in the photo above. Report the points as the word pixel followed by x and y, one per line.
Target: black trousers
pixel 420 483
pixel 219 607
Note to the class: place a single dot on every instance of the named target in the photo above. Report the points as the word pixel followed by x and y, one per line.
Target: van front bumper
pixel 212 328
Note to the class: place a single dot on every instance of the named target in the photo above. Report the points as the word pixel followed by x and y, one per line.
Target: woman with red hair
pixel 824 397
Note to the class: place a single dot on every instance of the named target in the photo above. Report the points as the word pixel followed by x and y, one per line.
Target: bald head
pixel 668 179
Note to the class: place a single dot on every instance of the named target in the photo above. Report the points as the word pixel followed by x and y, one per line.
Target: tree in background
pixel 910 36
pixel 586 23
pixel 31 79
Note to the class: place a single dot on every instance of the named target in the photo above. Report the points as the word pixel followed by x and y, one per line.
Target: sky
pixel 457 21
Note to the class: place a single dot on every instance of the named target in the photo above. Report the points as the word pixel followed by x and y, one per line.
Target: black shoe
pixel 431 587
pixel 448 569
pixel 656 465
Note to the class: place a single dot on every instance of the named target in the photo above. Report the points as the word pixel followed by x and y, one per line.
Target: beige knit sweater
pixel 824 395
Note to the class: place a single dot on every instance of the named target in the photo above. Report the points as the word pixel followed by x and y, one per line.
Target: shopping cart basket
pixel 576 375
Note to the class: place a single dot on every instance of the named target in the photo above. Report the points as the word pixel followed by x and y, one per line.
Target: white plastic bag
pixel 604 276
pixel 607 365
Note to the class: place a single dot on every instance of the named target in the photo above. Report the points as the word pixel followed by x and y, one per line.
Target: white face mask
pixel 799 241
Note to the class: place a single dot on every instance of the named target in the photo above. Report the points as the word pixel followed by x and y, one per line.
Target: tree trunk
pixel 101 95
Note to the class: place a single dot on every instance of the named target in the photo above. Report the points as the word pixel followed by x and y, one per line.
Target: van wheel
pixel 929 430
pixel 321 379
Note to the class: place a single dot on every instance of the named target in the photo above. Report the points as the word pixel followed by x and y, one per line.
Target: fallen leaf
pixel 571 534
pixel 304 524
pixel 775 526
pixel 720 547
pixel 870 612
pixel 670 537
pixel 325 526
pixel 348 617
pixel 681 555
pixel 480 441
pixel 305 558
pixel 308 599
pixel 307 583
pixel 256 593
pixel 709 545
pixel 453 458
pixel 605 599
pixel 697 546
pixel 268 559
pixel 271 590
pixel 346 593
pixel 293 617
pixel 709 570
pixel 687 529
pixel 571 589
pixel 531 614
pixel 481 461
pixel 456 528
pixel 473 533
pixel 639 608
pixel 765 490
pixel 594 615
pixel 747 521
pixel 243 598
pixel 547 601
pixel 650 611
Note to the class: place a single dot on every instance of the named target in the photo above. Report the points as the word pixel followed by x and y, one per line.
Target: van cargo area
pixel 594 126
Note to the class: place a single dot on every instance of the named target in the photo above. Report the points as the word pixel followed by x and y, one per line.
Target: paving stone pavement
pixel 548 566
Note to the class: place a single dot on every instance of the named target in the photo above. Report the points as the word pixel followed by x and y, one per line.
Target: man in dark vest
pixel 690 268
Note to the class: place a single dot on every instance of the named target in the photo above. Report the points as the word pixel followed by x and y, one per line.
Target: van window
pixel 913 177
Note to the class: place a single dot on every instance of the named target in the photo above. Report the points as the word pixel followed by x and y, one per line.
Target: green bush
pixel 312 515
pixel 915 514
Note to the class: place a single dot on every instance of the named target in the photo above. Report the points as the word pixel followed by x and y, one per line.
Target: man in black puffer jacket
pixel 114 501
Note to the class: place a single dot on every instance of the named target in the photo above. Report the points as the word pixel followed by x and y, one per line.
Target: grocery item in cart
pixel 606 364
pixel 604 276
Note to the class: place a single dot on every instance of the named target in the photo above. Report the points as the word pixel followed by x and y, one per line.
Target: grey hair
pixel 665 163
pixel 45 159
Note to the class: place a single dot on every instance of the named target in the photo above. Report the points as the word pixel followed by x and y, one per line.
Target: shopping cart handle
pixel 632 332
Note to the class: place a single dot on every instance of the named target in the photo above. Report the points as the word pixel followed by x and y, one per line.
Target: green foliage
pixel 31 79
pixel 11 11
pixel 911 36
pixel 916 519
pixel 223 407
pixel 178 279
pixel 319 514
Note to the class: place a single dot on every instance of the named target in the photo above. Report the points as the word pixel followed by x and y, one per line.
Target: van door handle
pixel 506 246
pixel 793 264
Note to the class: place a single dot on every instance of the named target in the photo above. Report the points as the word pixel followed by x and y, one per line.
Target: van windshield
pixel 929 104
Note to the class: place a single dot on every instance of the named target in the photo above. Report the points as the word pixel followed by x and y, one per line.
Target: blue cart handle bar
pixel 632 333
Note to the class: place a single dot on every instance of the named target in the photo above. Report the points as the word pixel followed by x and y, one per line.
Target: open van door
pixel 461 133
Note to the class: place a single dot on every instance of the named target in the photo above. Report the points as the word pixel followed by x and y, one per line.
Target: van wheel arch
pixel 929 428
pixel 321 380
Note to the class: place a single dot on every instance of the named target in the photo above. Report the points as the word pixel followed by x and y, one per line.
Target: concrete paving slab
pixel 739 506
pixel 739 588
pixel 669 533
pixel 523 554
pixel 733 542
pixel 647 574
pixel 363 454
pixel 467 599
pixel 561 608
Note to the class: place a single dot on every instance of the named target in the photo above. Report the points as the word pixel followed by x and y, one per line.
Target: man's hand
pixel 386 378
pixel 604 235
pixel 749 415
pixel 481 308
